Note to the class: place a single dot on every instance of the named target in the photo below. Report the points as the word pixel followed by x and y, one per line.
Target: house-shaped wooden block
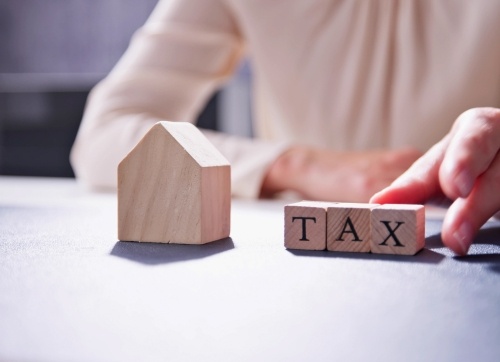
pixel 174 187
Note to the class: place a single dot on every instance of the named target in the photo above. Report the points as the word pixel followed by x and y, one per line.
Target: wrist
pixel 285 172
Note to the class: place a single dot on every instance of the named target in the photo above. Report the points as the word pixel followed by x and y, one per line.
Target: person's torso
pixel 361 74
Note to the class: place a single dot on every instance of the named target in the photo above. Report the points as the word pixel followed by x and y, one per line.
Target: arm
pixel 186 49
pixel 463 167
pixel 321 174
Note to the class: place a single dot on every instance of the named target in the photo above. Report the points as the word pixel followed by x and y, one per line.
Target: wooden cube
pixel 305 225
pixel 398 229
pixel 348 227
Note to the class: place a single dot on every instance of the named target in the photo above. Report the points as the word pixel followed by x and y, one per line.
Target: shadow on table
pixel 425 256
pixel 157 253
pixel 489 238
pixel 489 235
pixel 495 268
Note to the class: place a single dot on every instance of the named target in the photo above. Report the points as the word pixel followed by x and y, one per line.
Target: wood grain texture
pixel 174 187
pixel 348 227
pixel 305 225
pixel 398 229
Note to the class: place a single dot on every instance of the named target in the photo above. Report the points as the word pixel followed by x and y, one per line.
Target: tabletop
pixel 70 291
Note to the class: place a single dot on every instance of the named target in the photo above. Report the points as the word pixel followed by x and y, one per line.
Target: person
pixel 395 99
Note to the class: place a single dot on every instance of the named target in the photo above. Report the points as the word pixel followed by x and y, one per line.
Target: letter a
pixel 351 230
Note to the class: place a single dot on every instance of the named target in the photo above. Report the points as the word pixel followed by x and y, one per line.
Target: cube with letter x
pixel 398 229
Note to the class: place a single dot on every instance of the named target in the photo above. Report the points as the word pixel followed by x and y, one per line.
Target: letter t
pixel 304 220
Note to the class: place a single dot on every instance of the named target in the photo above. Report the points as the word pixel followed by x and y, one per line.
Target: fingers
pixel 466 215
pixel 465 167
pixel 419 183
pixel 472 148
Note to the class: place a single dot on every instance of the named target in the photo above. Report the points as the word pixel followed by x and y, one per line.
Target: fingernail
pixel 463 237
pixel 464 183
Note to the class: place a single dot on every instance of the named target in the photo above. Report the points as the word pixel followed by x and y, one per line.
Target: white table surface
pixel 69 291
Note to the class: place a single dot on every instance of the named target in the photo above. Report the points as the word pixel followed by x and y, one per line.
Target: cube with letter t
pixel 305 225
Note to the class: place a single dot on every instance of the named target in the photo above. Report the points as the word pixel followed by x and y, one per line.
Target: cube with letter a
pixel 348 227
pixel 305 225
pixel 398 229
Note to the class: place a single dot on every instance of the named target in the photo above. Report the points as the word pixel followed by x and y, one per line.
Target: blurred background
pixel 52 52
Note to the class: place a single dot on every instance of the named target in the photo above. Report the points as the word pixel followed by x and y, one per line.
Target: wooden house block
pixel 174 187
pixel 305 225
pixel 348 227
pixel 398 229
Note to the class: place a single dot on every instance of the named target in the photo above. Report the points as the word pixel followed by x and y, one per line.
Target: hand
pixel 318 174
pixel 463 167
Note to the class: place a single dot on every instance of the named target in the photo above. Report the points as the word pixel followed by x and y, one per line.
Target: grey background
pixel 52 52
pixel 67 36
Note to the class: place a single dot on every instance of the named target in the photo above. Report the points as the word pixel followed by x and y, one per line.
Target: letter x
pixel 392 233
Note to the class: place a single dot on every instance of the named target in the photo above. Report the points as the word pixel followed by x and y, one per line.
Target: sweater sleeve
pixel 186 49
